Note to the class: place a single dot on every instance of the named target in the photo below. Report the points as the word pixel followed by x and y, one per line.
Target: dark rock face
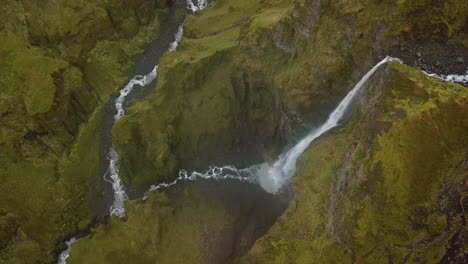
pixel 434 57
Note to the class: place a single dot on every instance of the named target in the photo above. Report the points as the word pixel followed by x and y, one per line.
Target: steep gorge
pixel 60 62
pixel 251 75
pixel 248 79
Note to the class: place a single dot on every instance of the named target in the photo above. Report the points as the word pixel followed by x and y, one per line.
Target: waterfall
pixel 178 37
pixel 273 177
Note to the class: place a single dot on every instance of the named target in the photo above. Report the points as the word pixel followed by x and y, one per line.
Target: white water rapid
pixel 118 206
pixel 120 196
pixel 455 78
pixel 62 259
pixel 196 5
pixel 178 37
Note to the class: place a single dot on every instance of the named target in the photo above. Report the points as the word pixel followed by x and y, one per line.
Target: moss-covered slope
pixel 160 230
pixel 59 63
pixel 247 72
pixel 388 187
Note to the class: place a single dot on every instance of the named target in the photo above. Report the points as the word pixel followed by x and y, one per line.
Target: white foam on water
pixel 120 196
pixel 178 37
pixel 140 80
pixel 196 5
pixel 273 177
pixel 455 78
pixel 214 172
pixel 62 259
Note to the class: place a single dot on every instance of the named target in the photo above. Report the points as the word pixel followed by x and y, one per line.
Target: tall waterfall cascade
pixel 273 177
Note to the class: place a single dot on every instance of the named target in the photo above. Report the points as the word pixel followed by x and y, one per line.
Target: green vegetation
pixel 59 62
pixel 245 70
pixel 159 230
pixel 394 194
pixel 245 73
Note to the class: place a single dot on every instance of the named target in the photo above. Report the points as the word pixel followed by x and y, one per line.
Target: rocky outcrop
pixel 59 63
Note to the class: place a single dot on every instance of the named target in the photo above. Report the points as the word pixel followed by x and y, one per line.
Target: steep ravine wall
pixel 60 61
pixel 388 187
pixel 249 76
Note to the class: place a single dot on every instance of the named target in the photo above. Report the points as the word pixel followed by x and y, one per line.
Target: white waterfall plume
pixel 273 177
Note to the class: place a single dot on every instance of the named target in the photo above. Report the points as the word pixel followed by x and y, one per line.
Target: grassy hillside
pixel 59 63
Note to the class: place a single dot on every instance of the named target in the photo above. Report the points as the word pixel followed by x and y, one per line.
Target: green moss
pixel 56 199
pixel 306 56
pixel 158 230
pixel 56 71
pixel 374 195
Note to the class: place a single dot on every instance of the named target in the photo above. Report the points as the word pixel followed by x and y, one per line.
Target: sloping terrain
pixel 248 78
pixel 388 187
pixel 59 63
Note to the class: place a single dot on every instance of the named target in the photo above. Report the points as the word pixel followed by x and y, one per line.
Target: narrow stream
pixel 129 93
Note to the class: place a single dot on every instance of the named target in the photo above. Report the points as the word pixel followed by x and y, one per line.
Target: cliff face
pixel 59 63
pixel 248 75
pixel 388 187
